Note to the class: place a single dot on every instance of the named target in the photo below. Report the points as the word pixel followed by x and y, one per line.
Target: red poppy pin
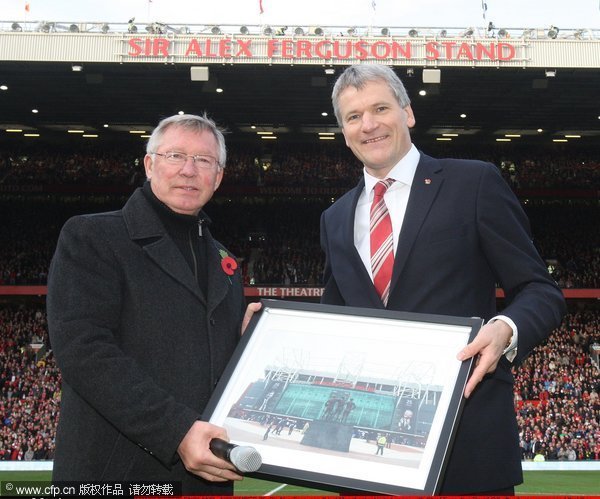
pixel 228 264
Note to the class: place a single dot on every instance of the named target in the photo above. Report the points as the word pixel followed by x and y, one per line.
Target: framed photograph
pixel 346 399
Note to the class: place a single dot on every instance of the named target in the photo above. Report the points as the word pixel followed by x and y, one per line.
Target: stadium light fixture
pixel 77 68
pixel 131 27
pixel 550 73
pixel 552 32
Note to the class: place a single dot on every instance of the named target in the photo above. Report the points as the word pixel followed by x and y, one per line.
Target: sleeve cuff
pixel 511 350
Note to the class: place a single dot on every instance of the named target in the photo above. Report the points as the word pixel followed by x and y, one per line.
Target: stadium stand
pixel 275 236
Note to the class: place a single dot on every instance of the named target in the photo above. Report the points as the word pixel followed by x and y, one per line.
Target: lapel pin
pixel 427 181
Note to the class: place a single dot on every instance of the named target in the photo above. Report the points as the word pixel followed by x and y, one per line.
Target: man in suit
pixel 456 231
pixel 144 310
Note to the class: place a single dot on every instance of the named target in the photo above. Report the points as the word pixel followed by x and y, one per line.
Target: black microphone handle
pixel 245 459
pixel 221 448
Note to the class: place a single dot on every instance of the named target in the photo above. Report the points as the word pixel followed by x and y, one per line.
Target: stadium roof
pixel 289 100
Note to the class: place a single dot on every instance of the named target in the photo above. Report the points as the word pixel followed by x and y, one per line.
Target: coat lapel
pixel 218 281
pixel 144 226
pixel 425 187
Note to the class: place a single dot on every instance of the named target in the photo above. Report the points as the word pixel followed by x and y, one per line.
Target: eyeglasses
pixel 179 159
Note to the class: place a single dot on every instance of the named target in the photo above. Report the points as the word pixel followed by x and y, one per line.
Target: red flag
pixel 26 7
pixel 260 6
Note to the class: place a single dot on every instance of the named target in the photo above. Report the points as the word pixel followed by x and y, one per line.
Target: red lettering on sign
pixel 244 48
pixel 464 51
pixel 322 49
pixel 506 51
pixel 361 50
pixel 380 50
pixel 225 48
pixel 160 47
pixel 303 49
pixel 431 51
pixel 272 47
pixel 287 49
pixel 337 53
pixel 193 47
pixel 134 48
pixel 398 49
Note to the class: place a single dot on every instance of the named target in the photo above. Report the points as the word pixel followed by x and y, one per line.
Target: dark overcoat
pixel 463 232
pixel 139 346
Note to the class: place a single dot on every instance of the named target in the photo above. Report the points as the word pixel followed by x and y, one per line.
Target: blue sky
pixel 401 13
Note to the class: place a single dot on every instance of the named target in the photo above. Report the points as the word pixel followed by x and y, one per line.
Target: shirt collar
pixel 403 172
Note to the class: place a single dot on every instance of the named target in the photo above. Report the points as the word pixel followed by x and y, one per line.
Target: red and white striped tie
pixel 382 242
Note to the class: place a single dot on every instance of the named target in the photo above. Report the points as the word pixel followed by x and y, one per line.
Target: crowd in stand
pixel 556 389
pixel 29 385
pixel 557 394
pixel 277 242
pixel 329 165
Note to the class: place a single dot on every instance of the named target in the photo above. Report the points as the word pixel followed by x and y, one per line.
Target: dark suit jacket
pixel 139 346
pixel 463 232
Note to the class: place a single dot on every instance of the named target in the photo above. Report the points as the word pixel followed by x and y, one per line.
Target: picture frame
pixel 345 398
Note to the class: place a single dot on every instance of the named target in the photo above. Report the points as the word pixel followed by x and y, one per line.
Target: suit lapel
pixel 356 263
pixel 425 187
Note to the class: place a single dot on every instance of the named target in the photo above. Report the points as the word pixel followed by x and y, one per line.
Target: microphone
pixel 246 459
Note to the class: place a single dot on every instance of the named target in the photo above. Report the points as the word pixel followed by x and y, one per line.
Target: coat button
pixel 212 321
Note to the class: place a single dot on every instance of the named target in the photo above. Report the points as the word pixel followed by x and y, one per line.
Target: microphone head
pixel 246 459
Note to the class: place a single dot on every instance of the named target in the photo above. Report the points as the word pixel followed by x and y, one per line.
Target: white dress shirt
pixel 396 200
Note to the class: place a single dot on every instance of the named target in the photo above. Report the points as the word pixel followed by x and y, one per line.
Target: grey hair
pixel 193 123
pixel 359 75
